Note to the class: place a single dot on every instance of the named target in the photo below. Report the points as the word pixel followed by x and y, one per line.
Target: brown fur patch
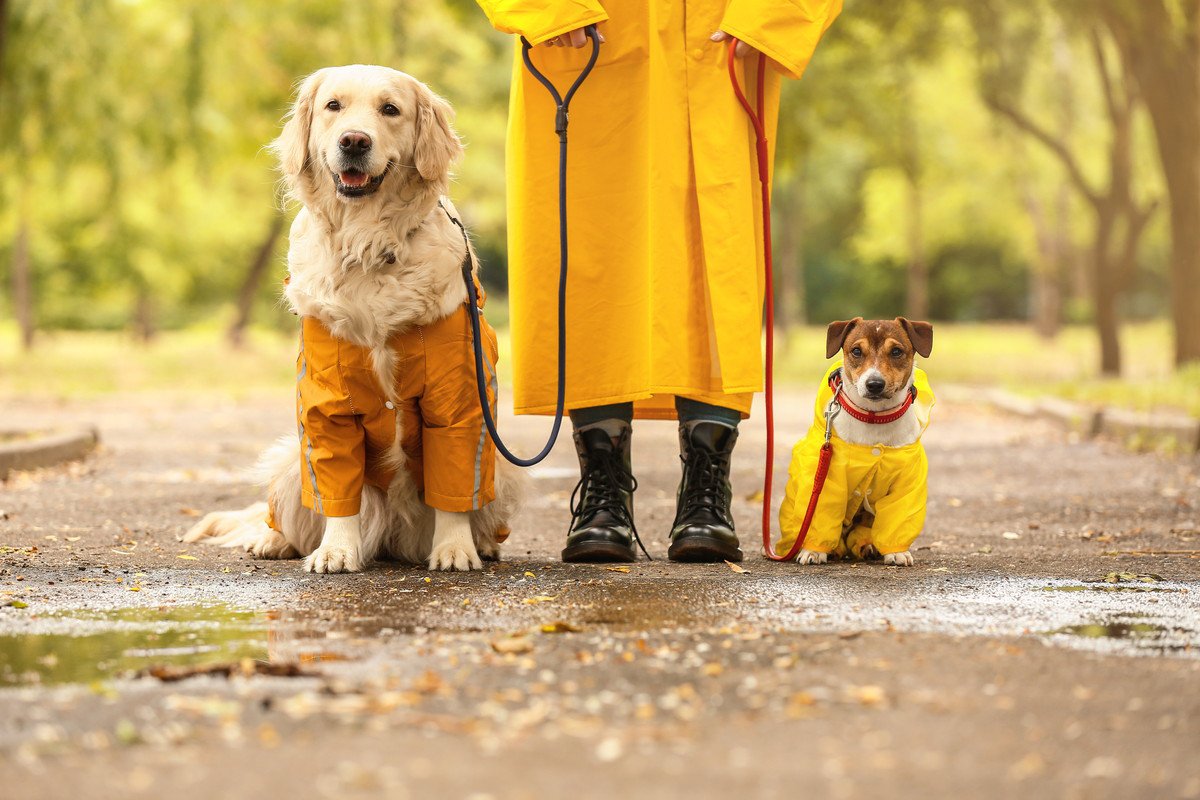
pixel 883 344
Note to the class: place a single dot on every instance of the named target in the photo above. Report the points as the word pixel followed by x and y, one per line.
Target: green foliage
pixel 131 147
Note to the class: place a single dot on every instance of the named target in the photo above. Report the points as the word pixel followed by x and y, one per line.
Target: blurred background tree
pixel 962 160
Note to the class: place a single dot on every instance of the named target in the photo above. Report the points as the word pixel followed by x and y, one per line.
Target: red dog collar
pixel 862 414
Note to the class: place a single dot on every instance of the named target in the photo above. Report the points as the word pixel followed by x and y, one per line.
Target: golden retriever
pixel 367 151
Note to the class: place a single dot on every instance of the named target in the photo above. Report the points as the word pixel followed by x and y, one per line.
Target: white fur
pixel 903 431
pixel 368 267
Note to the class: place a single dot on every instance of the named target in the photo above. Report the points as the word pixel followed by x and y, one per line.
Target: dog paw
pixel 809 557
pixel 904 559
pixel 333 558
pixel 869 553
pixel 453 555
pixel 270 544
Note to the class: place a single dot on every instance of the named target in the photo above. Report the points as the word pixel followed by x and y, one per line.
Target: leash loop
pixel 561 117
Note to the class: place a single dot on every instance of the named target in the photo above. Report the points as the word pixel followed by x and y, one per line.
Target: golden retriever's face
pixel 353 129
pixel 878 354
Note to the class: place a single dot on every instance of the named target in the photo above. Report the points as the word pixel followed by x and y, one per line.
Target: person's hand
pixel 741 51
pixel 576 38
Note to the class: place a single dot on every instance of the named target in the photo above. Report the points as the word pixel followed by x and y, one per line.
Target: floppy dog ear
pixel 437 146
pixel 836 333
pixel 291 148
pixel 920 334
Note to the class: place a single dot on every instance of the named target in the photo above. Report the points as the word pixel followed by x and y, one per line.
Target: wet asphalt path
pixel 994 666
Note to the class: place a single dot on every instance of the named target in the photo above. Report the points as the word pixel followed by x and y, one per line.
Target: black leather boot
pixel 602 526
pixel 703 528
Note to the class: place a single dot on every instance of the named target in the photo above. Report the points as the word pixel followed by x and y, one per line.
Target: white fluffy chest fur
pixel 903 431
pixel 367 279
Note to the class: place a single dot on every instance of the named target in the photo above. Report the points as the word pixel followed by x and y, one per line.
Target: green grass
pixel 198 362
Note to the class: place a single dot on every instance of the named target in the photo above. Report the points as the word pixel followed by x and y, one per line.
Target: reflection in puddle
pixel 85 646
pixel 1107 588
pixel 1139 634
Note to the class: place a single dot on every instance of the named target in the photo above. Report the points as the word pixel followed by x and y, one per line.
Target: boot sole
pixel 598 553
pixel 694 550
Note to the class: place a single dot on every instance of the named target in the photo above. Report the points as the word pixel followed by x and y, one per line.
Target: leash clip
pixel 831 413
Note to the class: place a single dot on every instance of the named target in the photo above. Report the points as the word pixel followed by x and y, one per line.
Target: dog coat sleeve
pixel 826 531
pixel 459 455
pixel 900 512
pixel 332 438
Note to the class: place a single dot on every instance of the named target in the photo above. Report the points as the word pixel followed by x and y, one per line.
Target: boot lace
pixel 703 484
pixel 599 489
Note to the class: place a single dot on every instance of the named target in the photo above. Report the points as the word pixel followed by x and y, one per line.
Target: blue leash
pixel 560 127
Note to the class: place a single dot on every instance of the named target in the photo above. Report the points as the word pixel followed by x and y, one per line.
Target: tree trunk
pixel 917 302
pixel 1163 51
pixel 1045 295
pixel 249 290
pixel 790 293
pixel 1104 298
pixel 143 317
pixel 22 294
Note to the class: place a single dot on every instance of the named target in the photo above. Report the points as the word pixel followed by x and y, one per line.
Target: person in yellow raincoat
pixel 886 482
pixel 664 305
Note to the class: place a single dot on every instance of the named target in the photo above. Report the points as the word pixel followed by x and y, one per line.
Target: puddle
pixel 1106 588
pixel 84 646
pixel 1134 631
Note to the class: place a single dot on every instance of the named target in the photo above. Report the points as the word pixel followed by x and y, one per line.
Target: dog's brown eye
pixel 390 110
pixel 897 352
pixel 334 105
pixel 856 352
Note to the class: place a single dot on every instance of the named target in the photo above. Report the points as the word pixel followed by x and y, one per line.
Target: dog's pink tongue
pixel 353 178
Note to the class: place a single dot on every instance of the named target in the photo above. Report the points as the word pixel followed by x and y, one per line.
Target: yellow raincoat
pixel 666 277
pixel 890 480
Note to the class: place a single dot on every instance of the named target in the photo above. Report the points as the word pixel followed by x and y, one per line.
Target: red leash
pixel 758 120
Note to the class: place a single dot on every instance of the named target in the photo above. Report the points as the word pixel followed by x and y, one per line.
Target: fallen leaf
pixel 16 604
pixel 186 557
pixel 617 569
pixel 869 695
pixel 539 598
pixel 189 512
pixel 512 645
pixel 560 627
pixel 738 568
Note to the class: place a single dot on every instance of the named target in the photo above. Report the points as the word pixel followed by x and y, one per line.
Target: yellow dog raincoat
pixel 889 480
pixel 347 422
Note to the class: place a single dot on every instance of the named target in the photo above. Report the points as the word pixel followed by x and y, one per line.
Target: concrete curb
pixel 53 447
pixel 1092 421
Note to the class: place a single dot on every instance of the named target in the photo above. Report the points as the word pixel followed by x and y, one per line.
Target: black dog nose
pixel 354 143
pixel 875 385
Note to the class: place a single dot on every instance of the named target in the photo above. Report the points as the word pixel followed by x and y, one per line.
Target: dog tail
pixel 229 528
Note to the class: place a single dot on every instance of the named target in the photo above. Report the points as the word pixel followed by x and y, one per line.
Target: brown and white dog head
pixel 878 354
pixel 361 131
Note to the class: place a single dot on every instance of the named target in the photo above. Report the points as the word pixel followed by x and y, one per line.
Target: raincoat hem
pixel 450 502
pixel 333 507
